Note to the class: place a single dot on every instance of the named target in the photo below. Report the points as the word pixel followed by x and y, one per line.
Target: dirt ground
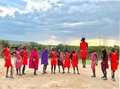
pixel 58 80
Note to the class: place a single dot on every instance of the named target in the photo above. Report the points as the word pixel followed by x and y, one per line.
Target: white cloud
pixel 42 5
pixel 85 7
pixel 71 1
pixel 50 42
pixel 92 22
pixel 32 5
pixel 67 31
pixel 4 11
pixel 37 5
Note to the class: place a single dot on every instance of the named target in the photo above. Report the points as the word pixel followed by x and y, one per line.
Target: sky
pixel 60 21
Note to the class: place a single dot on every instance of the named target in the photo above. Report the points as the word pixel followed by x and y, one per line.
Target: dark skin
pixel 93 70
pixel 18 70
pixel 83 60
pixel 44 67
pixel 7 69
pixel 24 66
pixel 35 68
pixel 53 68
pixel 113 71
pixel 35 72
pixel 68 70
pixel 104 71
pixel 60 65
pixel 75 67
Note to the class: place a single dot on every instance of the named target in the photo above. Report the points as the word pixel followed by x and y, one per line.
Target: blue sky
pixel 59 21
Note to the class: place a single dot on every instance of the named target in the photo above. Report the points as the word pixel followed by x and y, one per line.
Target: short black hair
pixel 83 39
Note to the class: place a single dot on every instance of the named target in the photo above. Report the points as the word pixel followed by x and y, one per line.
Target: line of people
pixel 59 58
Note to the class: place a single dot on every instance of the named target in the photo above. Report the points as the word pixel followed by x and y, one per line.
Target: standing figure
pixel 75 61
pixel 83 51
pixel 104 63
pixel 20 48
pixel 67 61
pixel 34 60
pixel 24 54
pixel 7 58
pixel 60 60
pixel 114 62
pixel 18 61
pixel 94 59
pixel 53 55
pixel 44 60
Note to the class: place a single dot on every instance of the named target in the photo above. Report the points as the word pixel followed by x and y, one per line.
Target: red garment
pixel 18 62
pixel 7 56
pixel 67 60
pixel 34 60
pixel 94 60
pixel 114 60
pixel 83 45
pixel 83 50
pixel 83 55
pixel 24 57
pixel 74 59
pixel 53 58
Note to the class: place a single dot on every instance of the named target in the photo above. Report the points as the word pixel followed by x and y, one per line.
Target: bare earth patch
pixel 58 80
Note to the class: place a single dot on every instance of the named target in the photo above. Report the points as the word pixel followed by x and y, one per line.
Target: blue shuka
pixel 44 57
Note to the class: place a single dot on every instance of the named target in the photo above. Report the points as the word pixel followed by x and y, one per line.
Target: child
pixel 114 62
pixel 104 64
pixel 44 60
pixel 18 62
pixel 53 61
pixel 7 58
pixel 75 61
pixel 94 62
pixel 34 60
pixel 67 61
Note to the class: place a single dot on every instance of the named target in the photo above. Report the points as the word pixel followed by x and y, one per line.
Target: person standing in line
pixel 34 60
pixel 94 62
pixel 44 60
pixel 53 55
pixel 104 63
pixel 67 61
pixel 24 54
pixel 7 57
pixel 60 60
pixel 18 61
pixel 114 62
pixel 83 51
pixel 75 61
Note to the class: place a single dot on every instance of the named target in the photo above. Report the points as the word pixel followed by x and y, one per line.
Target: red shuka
pixel 67 60
pixel 53 58
pixel 7 56
pixel 24 57
pixel 114 60
pixel 74 59
pixel 83 50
